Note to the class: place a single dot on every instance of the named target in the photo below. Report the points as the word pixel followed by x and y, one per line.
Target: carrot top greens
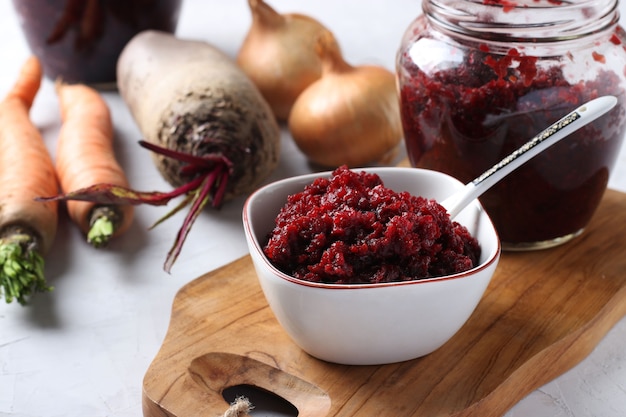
pixel 21 268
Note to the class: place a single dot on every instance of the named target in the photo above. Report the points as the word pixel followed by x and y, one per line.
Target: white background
pixel 83 349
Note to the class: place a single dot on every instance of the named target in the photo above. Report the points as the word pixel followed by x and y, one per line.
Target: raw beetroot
pixel 212 134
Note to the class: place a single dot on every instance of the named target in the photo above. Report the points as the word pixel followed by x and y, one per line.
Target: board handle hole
pixel 263 401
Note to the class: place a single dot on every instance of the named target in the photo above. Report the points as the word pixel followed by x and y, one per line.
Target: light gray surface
pixel 83 349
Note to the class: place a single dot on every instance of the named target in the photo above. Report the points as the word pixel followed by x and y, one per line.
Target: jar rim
pixel 523 20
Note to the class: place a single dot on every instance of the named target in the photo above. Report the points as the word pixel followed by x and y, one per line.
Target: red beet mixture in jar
pixel 471 94
pixel 350 229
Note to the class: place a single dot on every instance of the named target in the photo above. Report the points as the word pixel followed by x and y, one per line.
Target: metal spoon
pixel 578 118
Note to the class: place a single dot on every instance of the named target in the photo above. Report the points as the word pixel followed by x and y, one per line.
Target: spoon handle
pixel 573 121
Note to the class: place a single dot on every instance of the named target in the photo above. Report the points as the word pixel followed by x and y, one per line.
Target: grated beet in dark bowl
pixel 351 229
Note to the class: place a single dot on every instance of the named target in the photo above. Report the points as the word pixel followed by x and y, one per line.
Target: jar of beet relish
pixel 479 78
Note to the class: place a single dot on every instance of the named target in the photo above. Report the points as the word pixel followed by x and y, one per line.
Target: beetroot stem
pixel 221 188
pixel 113 194
pixel 207 160
pixel 181 205
pixel 200 200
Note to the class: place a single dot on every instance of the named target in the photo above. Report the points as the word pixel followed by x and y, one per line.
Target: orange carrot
pixel 27 227
pixel 85 156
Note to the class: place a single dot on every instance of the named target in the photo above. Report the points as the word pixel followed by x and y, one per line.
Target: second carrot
pixel 85 156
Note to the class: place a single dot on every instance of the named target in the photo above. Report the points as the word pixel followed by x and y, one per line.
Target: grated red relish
pixel 351 229
pixel 462 120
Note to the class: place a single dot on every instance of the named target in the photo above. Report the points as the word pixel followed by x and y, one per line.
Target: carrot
pixel 85 156
pixel 27 227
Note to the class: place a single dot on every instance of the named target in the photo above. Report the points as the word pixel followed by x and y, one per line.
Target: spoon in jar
pixel 573 121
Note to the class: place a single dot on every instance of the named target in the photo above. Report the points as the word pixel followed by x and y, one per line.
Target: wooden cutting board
pixel 543 312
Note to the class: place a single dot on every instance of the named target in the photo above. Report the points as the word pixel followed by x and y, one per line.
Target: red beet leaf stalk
pixel 208 177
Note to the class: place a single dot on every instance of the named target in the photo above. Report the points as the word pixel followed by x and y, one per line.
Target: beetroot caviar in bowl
pixel 478 79
pixel 357 322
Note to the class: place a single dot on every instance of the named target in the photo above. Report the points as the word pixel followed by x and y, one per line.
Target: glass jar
pixel 478 79
pixel 80 40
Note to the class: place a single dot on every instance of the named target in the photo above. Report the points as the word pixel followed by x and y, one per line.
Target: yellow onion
pixel 278 55
pixel 350 115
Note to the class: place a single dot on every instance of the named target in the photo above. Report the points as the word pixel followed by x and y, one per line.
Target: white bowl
pixel 371 324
